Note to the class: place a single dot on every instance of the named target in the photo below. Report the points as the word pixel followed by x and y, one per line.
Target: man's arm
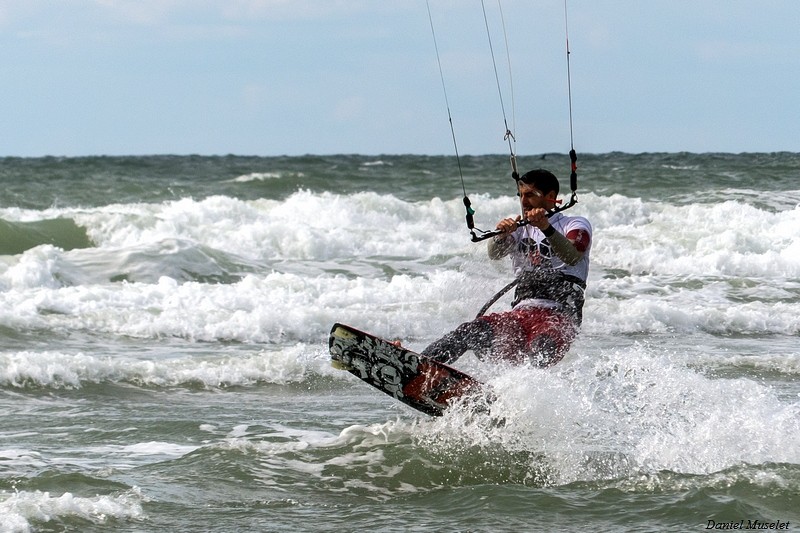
pixel 500 246
pixel 569 248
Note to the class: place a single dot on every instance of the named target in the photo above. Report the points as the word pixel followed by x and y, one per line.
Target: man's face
pixel 531 198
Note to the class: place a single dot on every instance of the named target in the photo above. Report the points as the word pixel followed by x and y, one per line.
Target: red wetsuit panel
pixel 580 238
pixel 541 334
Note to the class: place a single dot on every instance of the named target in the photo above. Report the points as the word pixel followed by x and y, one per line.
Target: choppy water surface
pixel 163 347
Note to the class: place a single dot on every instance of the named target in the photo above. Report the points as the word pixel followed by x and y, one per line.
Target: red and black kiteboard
pixel 412 378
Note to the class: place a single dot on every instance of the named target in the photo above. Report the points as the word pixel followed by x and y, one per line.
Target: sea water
pixel 164 365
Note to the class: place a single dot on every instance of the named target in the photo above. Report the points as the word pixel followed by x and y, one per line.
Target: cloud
pixel 290 9
pixel 11 11
pixel 142 12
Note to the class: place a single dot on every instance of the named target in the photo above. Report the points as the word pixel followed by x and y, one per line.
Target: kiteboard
pixel 416 380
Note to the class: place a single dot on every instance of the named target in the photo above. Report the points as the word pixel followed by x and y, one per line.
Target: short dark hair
pixel 542 179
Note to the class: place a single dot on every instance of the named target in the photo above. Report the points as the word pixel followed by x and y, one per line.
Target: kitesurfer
pixel 550 258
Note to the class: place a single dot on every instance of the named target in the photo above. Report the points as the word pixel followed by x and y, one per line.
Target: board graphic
pixel 412 378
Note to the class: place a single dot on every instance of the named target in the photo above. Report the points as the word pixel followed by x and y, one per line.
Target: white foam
pixel 143 449
pixel 630 412
pixel 398 268
pixel 26 511
pixel 323 456
pixel 724 239
pixel 73 370
pixel 264 176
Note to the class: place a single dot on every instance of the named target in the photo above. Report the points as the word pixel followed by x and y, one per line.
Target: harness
pixel 541 284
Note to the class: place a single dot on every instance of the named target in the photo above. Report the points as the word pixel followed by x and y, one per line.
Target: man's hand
pixel 538 218
pixel 508 225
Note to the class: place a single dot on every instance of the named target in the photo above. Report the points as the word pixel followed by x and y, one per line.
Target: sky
pixel 292 77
